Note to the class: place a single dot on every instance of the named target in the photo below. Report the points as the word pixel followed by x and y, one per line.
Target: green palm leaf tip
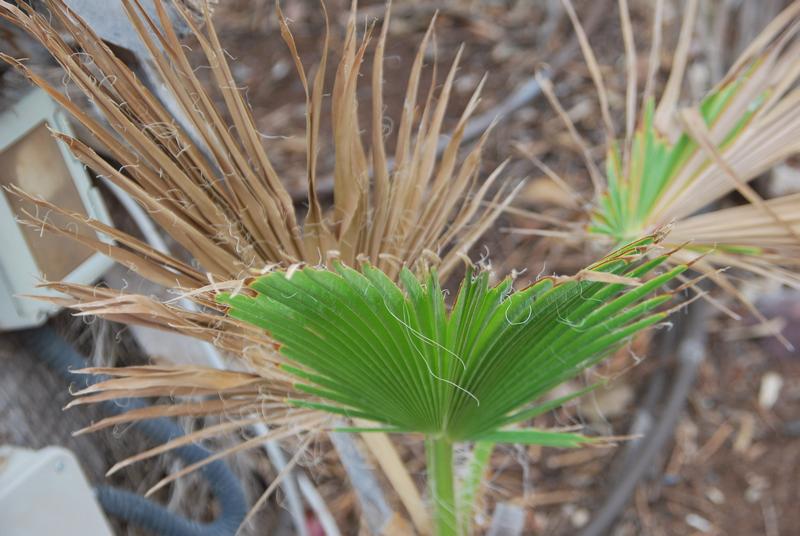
pixel 360 346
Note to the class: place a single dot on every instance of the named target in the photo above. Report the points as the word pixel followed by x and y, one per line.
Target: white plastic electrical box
pixel 45 492
pixel 36 162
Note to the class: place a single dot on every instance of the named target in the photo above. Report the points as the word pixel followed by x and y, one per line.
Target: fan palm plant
pixel 309 307
pixel 679 162
pixel 350 345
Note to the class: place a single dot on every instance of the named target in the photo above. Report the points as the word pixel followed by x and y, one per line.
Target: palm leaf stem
pixel 439 451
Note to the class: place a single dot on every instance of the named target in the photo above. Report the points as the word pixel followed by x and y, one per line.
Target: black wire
pixel 691 352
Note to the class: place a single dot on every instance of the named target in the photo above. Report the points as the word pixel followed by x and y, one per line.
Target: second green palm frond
pixel 675 164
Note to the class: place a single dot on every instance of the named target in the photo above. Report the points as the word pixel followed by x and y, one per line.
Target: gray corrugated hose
pixel 54 351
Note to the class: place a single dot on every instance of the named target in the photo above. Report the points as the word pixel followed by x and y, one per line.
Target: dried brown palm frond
pixel 679 161
pixel 210 185
pixel 226 205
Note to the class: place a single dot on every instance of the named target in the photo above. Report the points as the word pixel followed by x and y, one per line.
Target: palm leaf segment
pixel 629 204
pixel 679 161
pixel 370 350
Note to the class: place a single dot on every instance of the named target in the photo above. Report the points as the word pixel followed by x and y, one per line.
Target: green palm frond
pixel 362 347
